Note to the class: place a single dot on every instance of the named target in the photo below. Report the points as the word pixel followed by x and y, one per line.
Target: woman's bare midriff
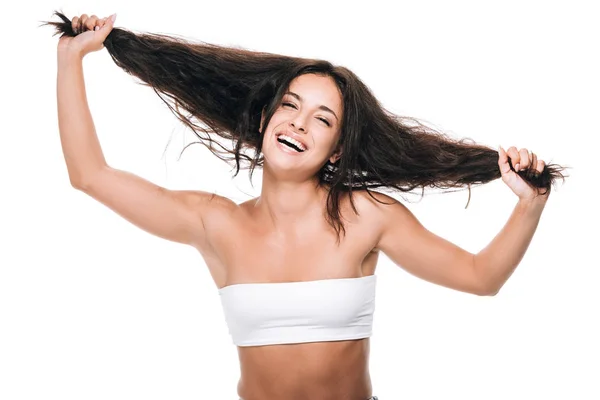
pixel 322 370
pixel 244 250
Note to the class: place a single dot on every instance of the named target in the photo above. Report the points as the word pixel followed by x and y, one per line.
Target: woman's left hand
pixel 521 160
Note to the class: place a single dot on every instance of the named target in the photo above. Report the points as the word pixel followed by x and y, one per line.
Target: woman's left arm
pixel 498 260
pixel 428 256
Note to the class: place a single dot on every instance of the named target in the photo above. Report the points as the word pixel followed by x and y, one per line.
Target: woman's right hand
pixel 91 33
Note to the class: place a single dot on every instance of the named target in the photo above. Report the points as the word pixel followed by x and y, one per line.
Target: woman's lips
pixel 285 148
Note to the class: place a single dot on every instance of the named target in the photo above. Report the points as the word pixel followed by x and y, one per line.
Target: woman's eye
pixel 325 121
pixel 286 104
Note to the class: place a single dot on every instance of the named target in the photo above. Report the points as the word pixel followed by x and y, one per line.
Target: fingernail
pixel 113 17
pixel 517 167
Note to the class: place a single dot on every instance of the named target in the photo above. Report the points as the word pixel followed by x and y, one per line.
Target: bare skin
pixel 282 235
pixel 244 251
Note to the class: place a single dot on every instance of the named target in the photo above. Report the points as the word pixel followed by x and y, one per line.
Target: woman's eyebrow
pixel 321 107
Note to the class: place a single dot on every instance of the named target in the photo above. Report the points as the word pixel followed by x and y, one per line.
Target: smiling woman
pixel 294 267
pixel 305 127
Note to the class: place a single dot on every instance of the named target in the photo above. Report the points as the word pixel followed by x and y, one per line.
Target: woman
pixel 295 267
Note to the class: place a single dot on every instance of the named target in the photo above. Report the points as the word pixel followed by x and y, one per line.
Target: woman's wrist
pixel 69 55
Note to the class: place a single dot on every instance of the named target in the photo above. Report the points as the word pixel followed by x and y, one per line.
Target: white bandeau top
pixel 259 314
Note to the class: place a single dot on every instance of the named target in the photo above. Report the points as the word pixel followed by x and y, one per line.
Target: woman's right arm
pixel 173 215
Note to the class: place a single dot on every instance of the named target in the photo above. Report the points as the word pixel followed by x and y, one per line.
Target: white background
pixel 91 307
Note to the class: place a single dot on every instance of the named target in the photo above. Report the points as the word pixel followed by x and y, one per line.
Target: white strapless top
pixel 259 314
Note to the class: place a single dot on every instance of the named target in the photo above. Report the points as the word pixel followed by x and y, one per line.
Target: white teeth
pixel 294 141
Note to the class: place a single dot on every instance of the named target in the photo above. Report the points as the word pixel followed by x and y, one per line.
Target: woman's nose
pixel 298 124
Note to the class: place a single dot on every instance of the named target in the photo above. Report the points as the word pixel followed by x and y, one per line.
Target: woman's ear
pixel 336 155
pixel 262 120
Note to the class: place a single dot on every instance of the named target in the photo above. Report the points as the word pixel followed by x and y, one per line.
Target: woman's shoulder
pixel 222 211
pixel 373 203
pixel 377 210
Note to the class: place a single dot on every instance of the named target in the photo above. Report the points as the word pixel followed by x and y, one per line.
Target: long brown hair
pixel 219 93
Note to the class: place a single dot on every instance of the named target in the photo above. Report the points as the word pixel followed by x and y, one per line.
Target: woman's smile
pixel 286 148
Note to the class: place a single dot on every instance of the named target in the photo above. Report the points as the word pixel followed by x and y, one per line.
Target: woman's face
pixel 310 113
